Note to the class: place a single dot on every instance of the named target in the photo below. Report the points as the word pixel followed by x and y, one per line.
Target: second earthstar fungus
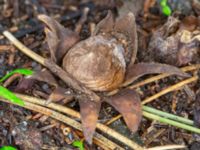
pixel 103 62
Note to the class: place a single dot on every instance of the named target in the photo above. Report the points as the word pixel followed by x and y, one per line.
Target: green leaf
pixel 8 148
pixel 166 10
pixel 20 71
pixel 5 93
pixel 163 3
pixel 78 144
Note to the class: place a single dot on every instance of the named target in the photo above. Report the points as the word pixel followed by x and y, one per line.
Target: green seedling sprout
pixel 7 94
pixel 78 144
pixel 166 10
pixel 7 148
pixel 25 72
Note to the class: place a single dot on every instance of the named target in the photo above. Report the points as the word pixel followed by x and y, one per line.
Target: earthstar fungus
pixel 103 62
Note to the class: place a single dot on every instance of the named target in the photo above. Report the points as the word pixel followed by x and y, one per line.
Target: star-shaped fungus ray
pixel 135 71
pixel 59 38
pixel 128 103
pixel 89 116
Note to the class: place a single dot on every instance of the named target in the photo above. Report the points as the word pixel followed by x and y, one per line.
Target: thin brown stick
pixel 167 147
pixel 23 48
pixel 170 89
pixel 82 20
pixel 65 120
pixel 58 71
pixel 113 119
pixel 161 76
pixel 75 114
pixel 11 79
pixel 5 48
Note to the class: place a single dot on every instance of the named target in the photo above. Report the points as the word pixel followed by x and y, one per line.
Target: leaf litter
pixel 187 39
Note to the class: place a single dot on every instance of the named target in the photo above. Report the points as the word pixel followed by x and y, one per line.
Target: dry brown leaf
pixel 176 42
pixel 44 76
pixel 24 84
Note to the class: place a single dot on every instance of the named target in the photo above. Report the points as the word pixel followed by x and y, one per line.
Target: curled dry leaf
pixel 103 62
pixel 43 75
pixel 176 42
pixel 27 138
pixel 24 84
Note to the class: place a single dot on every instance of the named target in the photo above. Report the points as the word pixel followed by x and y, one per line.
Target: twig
pixel 24 31
pixel 104 128
pixel 167 147
pixel 154 136
pixel 82 20
pixel 170 89
pixel 161 76
pixel 75 114
pixel 4 48
pixel 66 77
pixel 65 120
pixel 23 48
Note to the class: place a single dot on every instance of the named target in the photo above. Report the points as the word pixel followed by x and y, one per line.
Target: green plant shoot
pixel 166 10
pixel 7 148
pixel 25 72
pixel 163 3
pixel 78 144
pixel 5 93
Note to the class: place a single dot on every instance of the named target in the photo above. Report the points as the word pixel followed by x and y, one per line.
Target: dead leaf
pixel 176 42
pixel 189 23
pixel 24 84
pixel 45 76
